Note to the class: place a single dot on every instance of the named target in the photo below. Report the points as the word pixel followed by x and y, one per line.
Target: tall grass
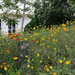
pixel 51 52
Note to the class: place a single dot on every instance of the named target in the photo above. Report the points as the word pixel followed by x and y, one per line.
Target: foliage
pixel 11 5
pixel 51 51
pixel 52 13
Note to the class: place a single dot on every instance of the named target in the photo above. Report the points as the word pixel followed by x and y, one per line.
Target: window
pixel 11 27
pixel 0 24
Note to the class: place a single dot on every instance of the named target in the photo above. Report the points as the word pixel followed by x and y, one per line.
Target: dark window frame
pixel 0 24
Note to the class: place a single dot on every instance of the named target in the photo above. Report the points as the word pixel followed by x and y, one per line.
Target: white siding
pixel 26 21
pixel 4 27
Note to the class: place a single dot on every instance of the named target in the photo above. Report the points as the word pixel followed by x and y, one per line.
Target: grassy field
pixel 49 52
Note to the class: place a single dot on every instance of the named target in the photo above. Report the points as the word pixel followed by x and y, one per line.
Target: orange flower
pixel 18 73
pixel 8 51
pixel 71 28
pixel 63 27
pixel 53 39
pixel 50 29
pixel 52 42
pixel 54 73
pixel 11 63
pixel 56 30
pixel 8 65
pixel 65 45
pixel 32 67
pixel 1 66
pixel 67 29
pixel 47 69
pixel 4 63
pixel 56 40
pixel 67 48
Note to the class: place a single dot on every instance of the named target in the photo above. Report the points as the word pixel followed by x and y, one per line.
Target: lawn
pixel 43 51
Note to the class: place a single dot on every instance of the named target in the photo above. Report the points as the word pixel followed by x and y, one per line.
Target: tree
pixel 23 16
pixel 12 5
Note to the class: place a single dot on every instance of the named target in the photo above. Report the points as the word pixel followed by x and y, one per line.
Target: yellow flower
pixel 51 34
pixel 64 58
pixel 32 49
pixel 34 28
pixel 0 44
pixel 54 43
pixel 45 65
pixel 37 41
pixel 60 61
pixel 25 38
pixel 8 43
pixel 67 62
pixel 5 68
pixel 48 57
pixel 47 69
pixel 44 36
pixel 43 47
pixel 48 46
pixel 35 52
pixel 54 48
pixel 28 65
pixel 32 67
pixel 41 61
pixel 40 44
pixel 38 55
pixel 28 61
pixel 21 33
pixel 48 38
pixel 63 24
pixel 39 25
pixel 30 36
pixel 28 25
pixel 26 56
pixel 32 59
pixel 18 29
pixel 20 40
pixel 43 43
pixel 20 37
pixel 51 67
pixel 15 58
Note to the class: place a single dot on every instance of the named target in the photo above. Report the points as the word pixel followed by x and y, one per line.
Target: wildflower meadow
pixel 42 51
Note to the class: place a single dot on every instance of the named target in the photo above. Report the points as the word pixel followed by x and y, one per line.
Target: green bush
pixel 52 13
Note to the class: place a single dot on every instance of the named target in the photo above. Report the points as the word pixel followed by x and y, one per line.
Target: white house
pixel 5 29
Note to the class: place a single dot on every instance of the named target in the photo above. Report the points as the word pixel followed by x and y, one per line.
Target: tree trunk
pixel 23 16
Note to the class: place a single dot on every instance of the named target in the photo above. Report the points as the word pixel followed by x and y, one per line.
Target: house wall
pixel 26 21
pixel 4 27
